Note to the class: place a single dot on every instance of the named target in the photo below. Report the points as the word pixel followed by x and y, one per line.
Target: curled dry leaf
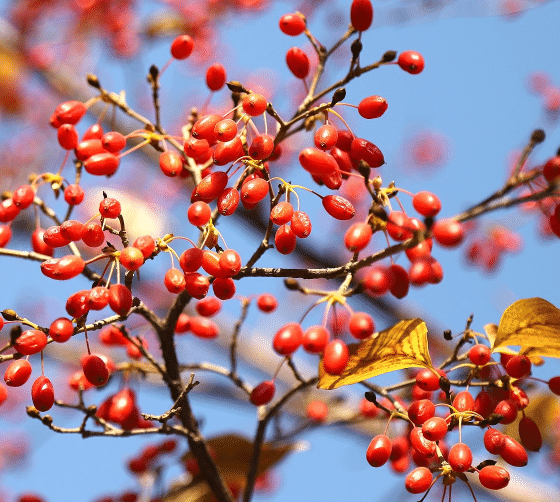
pixel 405 345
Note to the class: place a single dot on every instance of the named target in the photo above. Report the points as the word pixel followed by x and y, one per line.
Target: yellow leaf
pixel 534 325
pixel 405 345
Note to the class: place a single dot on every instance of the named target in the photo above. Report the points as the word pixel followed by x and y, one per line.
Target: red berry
pixel 95 370
pixel 427 380
pixel 288 339
pixel 420 443
pixel 53 238
pixel 199 213
pixel 297 62
pixel 120 299
pixel 460 457
pixel 77 304
pixel 210 187
pixel 263 393
pixel 170 163
pixel 292 24
pixel 480 354
pixel 31 342
pixel 530 434
pixel 131 258
pixel 282 213
pixel 197 285
pixel 71 230
pixel 325 137
pixel 209 306
pixel 5 235
pixel 191 259
pixel 434 428
pixel 357 237
pixel 448 233
pixel 426 203
pixel 361 16
pixel 204 327
pixel 508 409
pixel 554 385
pixel 67 136
pixel 411 62
pixel 493 477
pixel 225 130
pixel 379 450
pixel 92 235
pixel 362 149
pixel 174 280
pixel 315 339
pixel 494 441
pixel 267 302
pixel 301 224
pixel 215 77
pixel 518 366
pixel 23 196
pixel 372 107
pixel 228 201
pixel 254 191
pixel 335 357
pixel 285 239
pixel 420 411
pixel 463 401
pixel 110 208
pixel 338 207
pixel 418 480
pixel 230 262
pixel 17 373
pixel 8 210
pixel 224 288
pixel 113 141
pixel 261 147
pixel 70 112
pixel 254 104
pixel 551 170
pixel 513 453
pixel 98 298
pixel 145 244
pixel 61 330
pixel 102 164
pixel 182 46
pixel 378 280
pixel 317 162
pixel 361 325
pixel 42 394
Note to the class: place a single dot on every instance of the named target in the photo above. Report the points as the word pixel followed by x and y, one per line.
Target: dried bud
pixel 537 136
pixel 447 334
pixel 10 315
pixel 291 284
pixel 356 48
pixel 389 56
pixel 235 86
pixel 93 80
pixel 338 95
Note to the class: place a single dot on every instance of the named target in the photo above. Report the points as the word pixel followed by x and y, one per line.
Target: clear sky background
pixel 473 92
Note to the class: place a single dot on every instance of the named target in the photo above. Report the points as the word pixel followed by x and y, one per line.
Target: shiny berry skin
pixel 215 77
pixel 228 201
pixel 225 130
pixel 378 280
pixel 191 259
pixel 77 304
pixel 315 339
pixel 263 393
pixel 411 62
pixel 301 224
pixel 88 148
pixel 285 239
pixel 210 187
pixel 174 281
pixel 267 303
pixel 95 370
pixel 53 238
pixel 3 394
pixel 282 213
pixel 427 380
pixel 71 230
pixel 61 330
pixel 30 342
pixel 361 14
pixel 17 373
pixel 23 196
pixel 297 62
pixel 513 452
pixel 361 325
pixel 335 357
pixel 530 434
pixel 5 235
pixel 102 164
pixel 480 354
pixel 182 46
pixel 288 339
pixel 230 262
pixel 120 299
pixel 110 208
pixel 372 107
pixel 463 401
pixel 8 210
pixel 325 137
pixel 551 170
pixel 113 141
pixel 203 128
pixel 426 203
pixel 224 288
pixel 434 428
pixel 460 457
pixel 98 298
pixel 338 207
pixel 131 258
pixel 362 149
pixel 420 443
pixel 145 244
pixel 196 285
pixel 199 213
pixel 508 409
pixel 317 162
pixel 292 24
pixel 67 136
pixel 494 441
pixel 254 191
pixel 42 394
pixel 357 237
pixel 254 104
pixel 518 366
pixel 448 233
pixel 92 235
pixel 170 163
pixel 420 411
pixel 493 477
pixel 379 450
pixel 418 480
pixel 70 112
pixel 317 411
